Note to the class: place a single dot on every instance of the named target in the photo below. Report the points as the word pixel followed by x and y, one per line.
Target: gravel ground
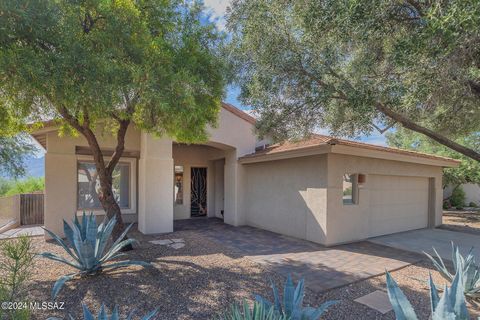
pixel 200 280
pixel 464 221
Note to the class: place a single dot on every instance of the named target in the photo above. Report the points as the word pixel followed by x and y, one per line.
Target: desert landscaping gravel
pixel 200 280
pixel 462 220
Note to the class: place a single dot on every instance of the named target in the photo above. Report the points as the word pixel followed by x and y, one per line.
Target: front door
pixel 198 202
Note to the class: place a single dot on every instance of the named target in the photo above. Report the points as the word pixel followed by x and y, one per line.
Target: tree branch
pixel 407 123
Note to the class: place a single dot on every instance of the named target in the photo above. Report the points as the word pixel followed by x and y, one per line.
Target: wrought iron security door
pixel 198 202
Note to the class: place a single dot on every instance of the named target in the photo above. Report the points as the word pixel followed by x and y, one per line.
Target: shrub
pixel 446 205
pixel 102 314
pixel 469 271
pixel 15 267
pixel 89 244
pixel 5 186
pixel 473 205
pixel 451 306
pixel 28 185
pixel 457 199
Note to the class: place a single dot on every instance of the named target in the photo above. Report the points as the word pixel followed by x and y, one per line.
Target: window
pixel 350 188
pixel 89 186
pixel 178 185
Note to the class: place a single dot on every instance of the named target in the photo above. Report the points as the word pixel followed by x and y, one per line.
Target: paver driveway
pixel 323 268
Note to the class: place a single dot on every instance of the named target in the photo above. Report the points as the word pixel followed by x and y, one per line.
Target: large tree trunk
pixel 104 171
pixel 407 123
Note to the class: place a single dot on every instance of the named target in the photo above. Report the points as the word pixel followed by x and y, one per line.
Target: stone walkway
pixel 32 231
pixel 323 268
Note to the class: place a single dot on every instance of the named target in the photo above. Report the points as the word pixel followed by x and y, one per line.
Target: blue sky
pixel 217 9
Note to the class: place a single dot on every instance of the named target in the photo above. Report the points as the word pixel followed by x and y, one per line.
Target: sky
pixel 217 9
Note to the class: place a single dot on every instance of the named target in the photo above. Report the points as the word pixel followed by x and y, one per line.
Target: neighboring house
pixel 322 189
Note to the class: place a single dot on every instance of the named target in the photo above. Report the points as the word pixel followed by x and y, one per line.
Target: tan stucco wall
pixel 155 206
pixel 346 223
pixel 288 196
pixel 10 209
pixel 61 175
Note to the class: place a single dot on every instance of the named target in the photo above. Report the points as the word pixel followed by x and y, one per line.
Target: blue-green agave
pixel 292 307
pixel 258 312
pixel 89 248
pixel 102 314
pixel 466 266
pixel 451 306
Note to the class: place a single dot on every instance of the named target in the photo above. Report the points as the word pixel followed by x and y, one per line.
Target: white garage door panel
pixel 397 204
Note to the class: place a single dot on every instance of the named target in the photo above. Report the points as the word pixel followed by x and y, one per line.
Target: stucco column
pixel 234 190
pixel 155 207
pixel 60 190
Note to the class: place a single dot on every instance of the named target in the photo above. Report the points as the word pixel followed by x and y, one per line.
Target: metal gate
pixel 31 209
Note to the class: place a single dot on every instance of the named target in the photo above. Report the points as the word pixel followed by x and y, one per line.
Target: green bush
pixel 5 185
pixel 15 266
pixel 29 185
pixel 473 205
pixel 457 199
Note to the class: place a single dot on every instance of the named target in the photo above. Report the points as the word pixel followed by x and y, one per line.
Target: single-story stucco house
pixel 322 189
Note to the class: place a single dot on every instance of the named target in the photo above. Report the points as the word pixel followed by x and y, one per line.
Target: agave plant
pixel 451 306
pixel 258 312
pixel 89 248
pixel 293 302
pixel 466 266
pixel 102 314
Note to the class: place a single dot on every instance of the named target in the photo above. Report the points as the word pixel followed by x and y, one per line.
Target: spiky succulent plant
pixel 451 306
pixel 292 307
pixel 258 312
pixel 88 250
pixel 102 314
pixel 470 272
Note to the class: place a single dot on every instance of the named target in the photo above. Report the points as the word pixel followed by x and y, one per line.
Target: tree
pixel 13 147
pixel 358 66
pixel 467 172
pixel 13 151
pixel 93 63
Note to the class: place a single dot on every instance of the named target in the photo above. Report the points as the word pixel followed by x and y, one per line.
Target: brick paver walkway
pixel 323 268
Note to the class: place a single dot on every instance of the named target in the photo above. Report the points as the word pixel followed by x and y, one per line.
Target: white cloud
pixel 217 9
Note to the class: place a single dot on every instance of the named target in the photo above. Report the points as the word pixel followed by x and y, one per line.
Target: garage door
pixel 397 204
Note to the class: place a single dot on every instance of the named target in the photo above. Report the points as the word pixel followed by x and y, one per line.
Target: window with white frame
pixel 88 185
pixel 350 188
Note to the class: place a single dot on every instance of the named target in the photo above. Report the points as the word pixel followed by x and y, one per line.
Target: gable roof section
pixel 239 113
pixel 318 144
pixel 50 125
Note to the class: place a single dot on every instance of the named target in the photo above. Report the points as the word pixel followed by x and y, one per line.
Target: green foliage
pixel 334 64
pixel 466 267
pixel 467 172
pixel 29 185
pixel 102 314
pixel 292 305
pixel 5 185
pixel 152 62
pixel 451 306
pixel 473 205
pixel 259 312
pixel 13 150
pixel 457 199
pixel 89 251
pixel 16 262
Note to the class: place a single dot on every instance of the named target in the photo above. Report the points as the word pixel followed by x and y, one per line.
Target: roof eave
pixel 386 155
pixel 287 154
